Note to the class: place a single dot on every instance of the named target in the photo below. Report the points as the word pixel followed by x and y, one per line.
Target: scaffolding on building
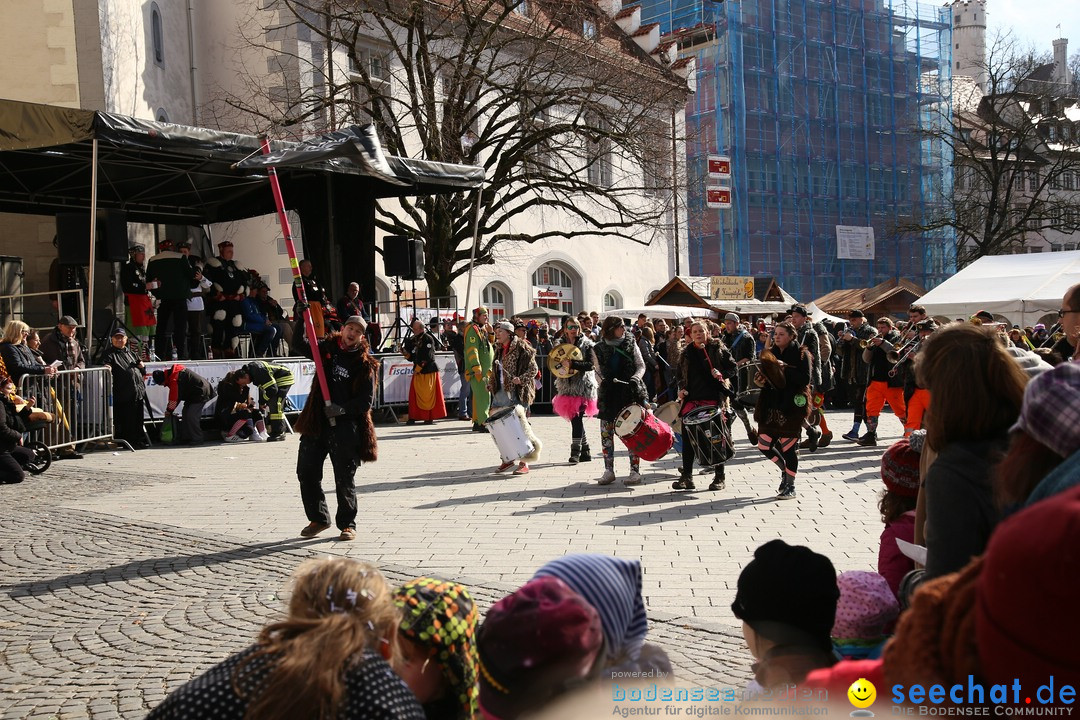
pixel 823 108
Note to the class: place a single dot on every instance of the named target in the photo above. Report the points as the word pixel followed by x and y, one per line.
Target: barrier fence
pixel 80 401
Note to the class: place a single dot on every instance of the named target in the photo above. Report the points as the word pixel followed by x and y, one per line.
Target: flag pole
pixel 309 324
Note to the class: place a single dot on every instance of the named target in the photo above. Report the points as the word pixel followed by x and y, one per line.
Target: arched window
pixel 156 34
pixel 612 301
pixel 494 297
pixel 553 287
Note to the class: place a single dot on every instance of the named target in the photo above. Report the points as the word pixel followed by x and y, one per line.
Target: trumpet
pixel 911 349
pixel 895 354
pixel 864 344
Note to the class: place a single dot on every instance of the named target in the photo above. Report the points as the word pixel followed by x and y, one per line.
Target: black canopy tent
pixel 58 160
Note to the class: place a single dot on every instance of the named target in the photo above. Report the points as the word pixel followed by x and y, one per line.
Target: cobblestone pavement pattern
pixel 126 574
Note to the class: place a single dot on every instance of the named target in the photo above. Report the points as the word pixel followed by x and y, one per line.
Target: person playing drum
pixel 784 403
pixel 619 367
pixel 702 372
pixel 575 397
pixel 511 384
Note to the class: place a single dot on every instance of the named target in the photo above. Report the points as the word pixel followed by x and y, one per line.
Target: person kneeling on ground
pixel 237 416
pixel 330 657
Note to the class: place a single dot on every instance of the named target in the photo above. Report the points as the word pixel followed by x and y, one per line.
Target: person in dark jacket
pixel 17 356
pixel 263 331
pixel 883 387
pixel 703 371
pixel 351 375
pixel 193 390
pixel 274 383
pixel 619 367
pixel 350 303
pixel 315 295
pixel 129 390
pixel 170 278
pixel 62 345
pixel 13 456
pixel 854 371
pixel 426 400
pixel 784 404
pixel 743 350
pixel 238 416
pixel 225 302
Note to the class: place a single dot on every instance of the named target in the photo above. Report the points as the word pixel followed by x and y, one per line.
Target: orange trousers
pixel 916 408
pixel 879 393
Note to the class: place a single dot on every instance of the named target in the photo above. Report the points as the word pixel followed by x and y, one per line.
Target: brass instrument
pixel 864 344
pixel 903 358
pixel 566 351
pixel 896 353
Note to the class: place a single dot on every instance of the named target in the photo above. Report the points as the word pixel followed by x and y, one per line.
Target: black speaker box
pixel 73 237
pixel 403 257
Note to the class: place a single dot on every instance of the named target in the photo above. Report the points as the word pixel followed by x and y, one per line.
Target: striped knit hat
pixel 613 586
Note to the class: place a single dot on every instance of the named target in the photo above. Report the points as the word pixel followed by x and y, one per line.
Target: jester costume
pixel 479 355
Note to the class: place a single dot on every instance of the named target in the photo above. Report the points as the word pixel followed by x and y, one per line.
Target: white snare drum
pixel 669 413
pixel 509 435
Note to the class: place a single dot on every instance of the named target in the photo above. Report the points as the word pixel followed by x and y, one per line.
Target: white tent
pixel 1023 288
pixel 667 312
pixel 817 314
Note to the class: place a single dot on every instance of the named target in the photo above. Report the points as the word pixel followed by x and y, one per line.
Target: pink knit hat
pixel 867 606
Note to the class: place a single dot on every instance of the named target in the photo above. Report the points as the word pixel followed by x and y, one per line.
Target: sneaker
pixel 522 469
pixel 234 439
pixel 504 467
pixel 634 478
pixel 347 534
pixel 826 438
pixel 607 478
pixel 787 492
pixel 853 436
pixel 259 437
pixel 313 529
pixel 717 484
pixel 867 440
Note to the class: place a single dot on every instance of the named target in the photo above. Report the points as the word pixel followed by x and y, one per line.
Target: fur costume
pixel 577 390
pixel 519 362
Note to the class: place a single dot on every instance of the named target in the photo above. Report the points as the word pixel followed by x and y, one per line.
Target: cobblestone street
pixel 125 574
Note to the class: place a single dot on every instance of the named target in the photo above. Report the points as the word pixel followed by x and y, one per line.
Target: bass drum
pixel 643 434
pixel 669 413
pixel 709 435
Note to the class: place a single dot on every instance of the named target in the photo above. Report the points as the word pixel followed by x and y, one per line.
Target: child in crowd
pixel 613 587
pixel 865 615
pixel 900 473
pixel 437 638
pixel 330 657
pixel 536 645
pixel 786 599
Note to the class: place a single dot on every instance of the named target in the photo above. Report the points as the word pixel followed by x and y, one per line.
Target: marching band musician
pixel 619 368
pixel 784 404
pixel 478 357
pixel 512 384
pixel 916 397
pixel 884 387
pixel 855 370
pixel 743 352
pixel 703 373
pixel 575 397
pixel 425 391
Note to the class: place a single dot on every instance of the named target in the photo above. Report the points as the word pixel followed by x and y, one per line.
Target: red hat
pixel 1027 594
pixel 900 469
pixel 534 645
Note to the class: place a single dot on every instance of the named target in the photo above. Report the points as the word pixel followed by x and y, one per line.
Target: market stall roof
pixel 886 298
pixel 160 172
pixel 542 312
pixel 1023 288
pixel 667 312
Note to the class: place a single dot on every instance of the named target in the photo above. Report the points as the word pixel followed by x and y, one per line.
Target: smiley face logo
pixel 862 693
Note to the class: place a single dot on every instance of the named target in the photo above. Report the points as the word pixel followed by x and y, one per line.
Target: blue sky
pixel 1034 22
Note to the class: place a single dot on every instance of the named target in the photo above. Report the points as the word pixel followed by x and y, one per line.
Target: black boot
pixel 685 482
pixel 586 455
pixel 868 440
pixel 575 451
pixel 718 479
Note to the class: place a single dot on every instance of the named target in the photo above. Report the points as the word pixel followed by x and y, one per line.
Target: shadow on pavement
pixel 153 567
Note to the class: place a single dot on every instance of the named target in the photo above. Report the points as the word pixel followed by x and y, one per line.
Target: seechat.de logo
pixel 862 694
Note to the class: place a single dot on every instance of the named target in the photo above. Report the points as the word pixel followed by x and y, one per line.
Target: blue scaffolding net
pixel 823 108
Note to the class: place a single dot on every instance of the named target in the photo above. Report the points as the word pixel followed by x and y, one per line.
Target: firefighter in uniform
pixel 274 383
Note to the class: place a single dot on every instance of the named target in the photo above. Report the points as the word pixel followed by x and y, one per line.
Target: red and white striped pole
pixel 294 263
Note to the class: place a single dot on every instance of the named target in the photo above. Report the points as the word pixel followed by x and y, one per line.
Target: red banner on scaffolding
pixel 718 198
pixel 719 167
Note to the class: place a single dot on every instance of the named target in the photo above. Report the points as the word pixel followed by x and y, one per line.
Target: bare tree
pixel 563 110
pixel 1016 157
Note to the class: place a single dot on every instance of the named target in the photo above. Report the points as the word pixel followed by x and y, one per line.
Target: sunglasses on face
pixel 572 327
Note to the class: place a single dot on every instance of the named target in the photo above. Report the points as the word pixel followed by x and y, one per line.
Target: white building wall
pixel 969 40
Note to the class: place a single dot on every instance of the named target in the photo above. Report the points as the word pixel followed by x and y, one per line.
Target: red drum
pixel 642 433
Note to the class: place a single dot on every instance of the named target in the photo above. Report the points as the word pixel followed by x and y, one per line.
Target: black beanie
pixel 788 594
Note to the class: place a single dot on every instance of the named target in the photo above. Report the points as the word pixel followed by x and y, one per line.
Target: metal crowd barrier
pixel 80 401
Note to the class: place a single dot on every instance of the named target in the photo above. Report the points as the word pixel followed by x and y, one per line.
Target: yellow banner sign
pixel 723 287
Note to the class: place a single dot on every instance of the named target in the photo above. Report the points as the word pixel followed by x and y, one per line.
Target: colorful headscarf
pixel 441 615
pixel 481 310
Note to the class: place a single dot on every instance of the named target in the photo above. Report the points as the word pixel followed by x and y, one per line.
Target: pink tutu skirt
pixel 568 406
